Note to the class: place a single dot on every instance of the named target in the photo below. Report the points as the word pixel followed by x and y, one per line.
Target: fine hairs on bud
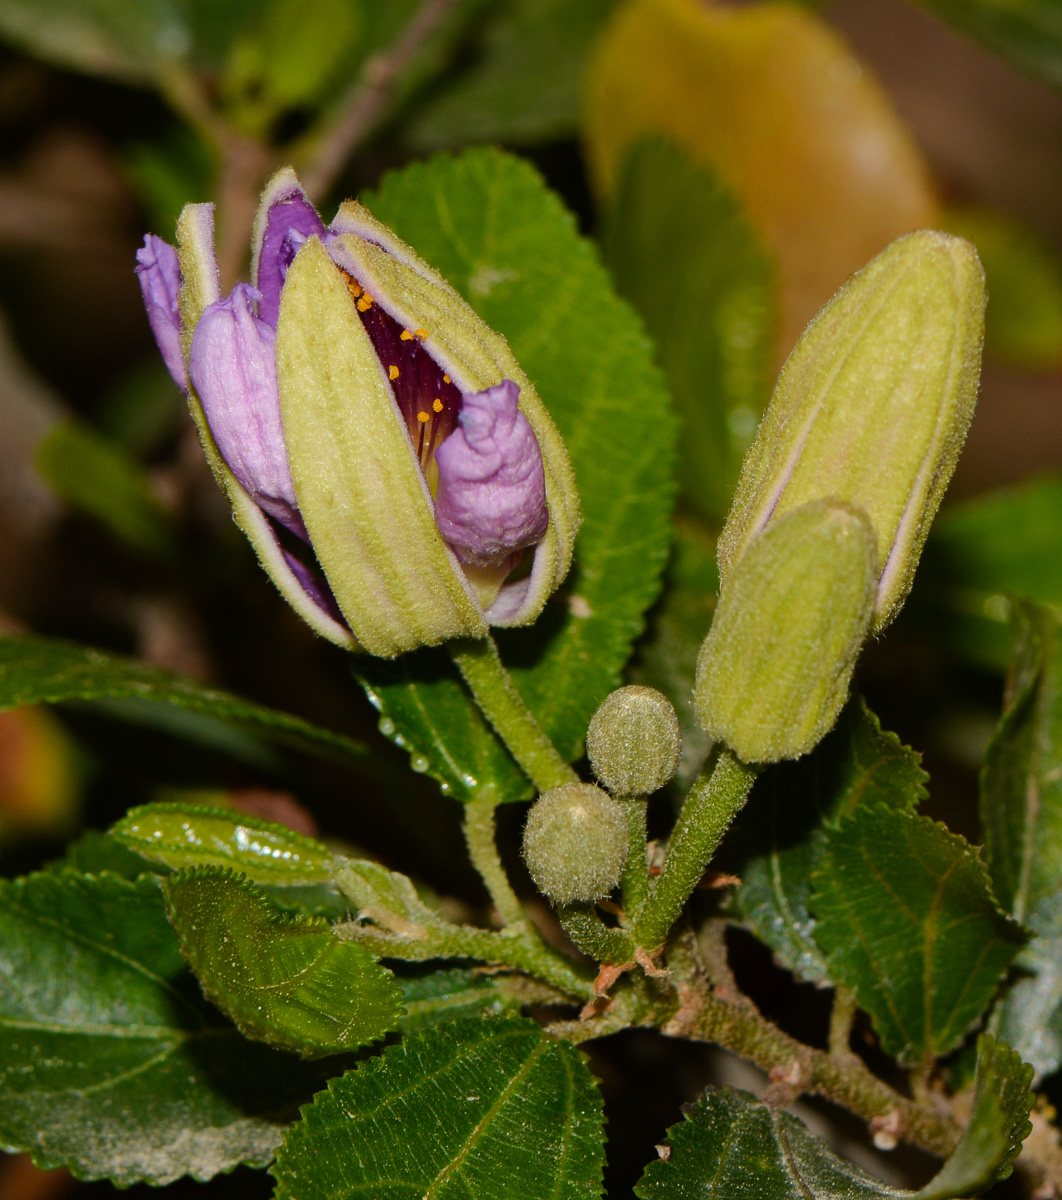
pixel 634 741
pixel 575 843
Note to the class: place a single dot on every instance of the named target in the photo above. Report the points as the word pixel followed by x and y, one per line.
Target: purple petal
pixel 289 223
pixel 160 283
pixel 492 488
pixel 315 587
pixel 233 368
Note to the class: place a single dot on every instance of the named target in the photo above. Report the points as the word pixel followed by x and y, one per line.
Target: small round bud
pixel 634 741
pixel 575 842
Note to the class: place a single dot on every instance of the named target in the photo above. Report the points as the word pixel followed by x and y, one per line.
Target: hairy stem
pixel 483 851
pixel 504 707
pixel 323 152
pixel 842 1014
pixel 717 795
pixel 634 886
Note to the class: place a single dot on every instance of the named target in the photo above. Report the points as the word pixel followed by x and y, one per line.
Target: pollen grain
pixel 438 405
pixel 392 372
pixel 447 379
pixel 421 333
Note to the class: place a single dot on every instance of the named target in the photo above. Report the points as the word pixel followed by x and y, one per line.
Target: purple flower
pixel 160 282
pixel 491 499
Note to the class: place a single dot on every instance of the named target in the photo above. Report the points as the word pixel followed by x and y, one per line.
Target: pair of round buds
pixel 576 839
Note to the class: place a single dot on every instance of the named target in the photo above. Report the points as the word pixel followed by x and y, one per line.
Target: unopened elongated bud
pixel 773 672
pixel 873 406
pixel 634 741
pixel 575 843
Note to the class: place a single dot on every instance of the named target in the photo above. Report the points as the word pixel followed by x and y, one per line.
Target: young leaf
pixel 775 856
pixel 488 223
pixel 388 898
pixel 907 920
pixel 732 1145
pixel 36 669
pixel 493 1109
pixel 426 709
pixel 1021 812
pixel 98 1014
pixel 191 835
pixel 683 253
pixel 998 1124
pixel 282 979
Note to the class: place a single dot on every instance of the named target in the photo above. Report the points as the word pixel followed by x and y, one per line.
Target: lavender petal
pixel 290 222
pixel 159 274
pixel 491 497
pixel 233 368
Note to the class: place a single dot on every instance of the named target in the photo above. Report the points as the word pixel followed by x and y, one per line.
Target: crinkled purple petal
pixel 233 368
pixel 491 498
pixel 160 284
pixel 289 223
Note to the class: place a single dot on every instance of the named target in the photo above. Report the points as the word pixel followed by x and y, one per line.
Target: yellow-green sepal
pixel 872 406
pixel 200 287
pixel 361 493
pixel 476 358
pixel 774 671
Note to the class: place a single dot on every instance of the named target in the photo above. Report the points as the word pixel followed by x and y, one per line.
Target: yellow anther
pixel 355 289
pixel 406 336
pixel 422 417
pixel 438 405
pixel 421 333
pixel 447 379
pixel 365 303
pixel 392 372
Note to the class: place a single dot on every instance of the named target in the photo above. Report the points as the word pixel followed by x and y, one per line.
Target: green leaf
pixel 99 477
pixel 35 670
pixel 1007 542
pixel 387 898
pixel 732 1145
pixel 99 1017
pixel 426 709
pixel 1023 322
pixel 522 81
pixel 684 254
pixel 1021 814
pixel 439 997
pixel 487 222
pixel 282 979
pixel 1028 32
pixel 496 1110
pixel 776 851
pixel 999 1123
pixel 678 624
pixel 907 920
pixel 191 835
pixel 95 852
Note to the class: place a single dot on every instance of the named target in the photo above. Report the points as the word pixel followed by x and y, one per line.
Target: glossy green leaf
pixel 1005 542
pixel 282 979
pixel 35 670
pixel 438 997
pixel 495 1110
pixel 1028 32
pixel 779 844
pixel 489 225
pixel 98 477
pixel 522 80
pixel 1021 814
pixel 667 656
pixel 191 835
pixel 683 253
pixel 998 1124
pixel 908 921
pixel 732 1145
pixel 99 1015
pixel 1023 322
pixel 426 709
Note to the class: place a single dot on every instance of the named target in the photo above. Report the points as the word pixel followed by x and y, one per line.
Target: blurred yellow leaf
pixel 39 793
pixel 775 102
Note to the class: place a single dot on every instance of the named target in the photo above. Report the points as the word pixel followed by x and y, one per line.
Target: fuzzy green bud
pixel 873 406
pixel 634 741
pixel 575 843
pixel 773 672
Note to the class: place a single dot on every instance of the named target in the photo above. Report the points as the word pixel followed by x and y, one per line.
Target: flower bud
pixel 872 407
pixel 634 741
pixel 575 843
pixel 793 612
pixel 350 397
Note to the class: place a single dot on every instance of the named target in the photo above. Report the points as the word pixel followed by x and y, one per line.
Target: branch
pixel 328 149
